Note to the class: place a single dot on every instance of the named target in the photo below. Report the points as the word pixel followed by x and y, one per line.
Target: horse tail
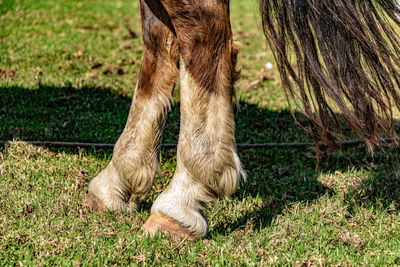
pixel 338 55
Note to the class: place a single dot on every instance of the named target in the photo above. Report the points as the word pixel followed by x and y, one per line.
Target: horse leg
pixel 135 160
pixel 207 163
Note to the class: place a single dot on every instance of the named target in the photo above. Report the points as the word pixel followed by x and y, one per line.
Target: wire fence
pixel 174 146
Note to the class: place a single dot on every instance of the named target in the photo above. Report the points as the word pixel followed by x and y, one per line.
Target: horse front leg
pixel 135 160
pixel 207 163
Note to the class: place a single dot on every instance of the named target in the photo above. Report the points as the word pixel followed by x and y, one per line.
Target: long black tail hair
pixel 341 54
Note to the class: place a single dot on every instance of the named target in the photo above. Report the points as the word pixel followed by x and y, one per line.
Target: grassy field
pixel 67 73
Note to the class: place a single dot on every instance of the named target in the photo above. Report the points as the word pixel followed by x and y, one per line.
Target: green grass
pixel 67 73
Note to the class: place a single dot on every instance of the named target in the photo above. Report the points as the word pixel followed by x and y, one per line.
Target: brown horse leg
pixel 135 161
pixel 207 164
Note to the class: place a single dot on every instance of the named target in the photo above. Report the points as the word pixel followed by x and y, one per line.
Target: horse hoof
pixel 93 202
pixel 164 224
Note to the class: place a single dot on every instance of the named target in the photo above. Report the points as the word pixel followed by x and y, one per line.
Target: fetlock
pixel 183 202
pixel 107 191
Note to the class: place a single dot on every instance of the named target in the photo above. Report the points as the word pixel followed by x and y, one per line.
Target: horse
pixel 330 54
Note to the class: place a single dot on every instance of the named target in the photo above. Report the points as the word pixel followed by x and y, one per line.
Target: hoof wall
pixel 93 202
pixel 164 224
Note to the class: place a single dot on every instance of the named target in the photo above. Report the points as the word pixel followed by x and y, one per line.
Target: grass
pixel 67 73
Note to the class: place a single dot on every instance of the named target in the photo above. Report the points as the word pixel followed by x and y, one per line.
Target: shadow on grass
pixel 278 176
pixel 96 115
pixel 61 114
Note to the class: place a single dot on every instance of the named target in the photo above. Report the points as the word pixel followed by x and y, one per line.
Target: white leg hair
pixel 208 166
pixel 181 202
pixel 135 161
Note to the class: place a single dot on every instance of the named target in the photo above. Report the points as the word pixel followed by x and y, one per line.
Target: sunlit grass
pixel 67 73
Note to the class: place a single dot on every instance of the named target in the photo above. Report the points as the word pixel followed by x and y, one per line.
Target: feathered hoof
pixel 160 223
pixel 94 203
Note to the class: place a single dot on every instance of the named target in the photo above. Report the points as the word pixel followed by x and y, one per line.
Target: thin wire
pixel 174 146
